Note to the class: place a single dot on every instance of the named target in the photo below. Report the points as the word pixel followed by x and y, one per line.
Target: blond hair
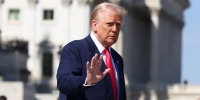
pixel 104 7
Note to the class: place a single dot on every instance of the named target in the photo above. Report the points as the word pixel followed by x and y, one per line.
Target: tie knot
pixel 106 51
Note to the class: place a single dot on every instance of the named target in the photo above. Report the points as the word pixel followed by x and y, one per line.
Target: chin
pixel 111 43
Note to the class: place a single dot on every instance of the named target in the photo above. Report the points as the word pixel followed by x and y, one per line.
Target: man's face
pixel 107 27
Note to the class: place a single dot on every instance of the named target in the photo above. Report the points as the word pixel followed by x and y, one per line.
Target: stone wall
pixel 17 91
pixel 164 92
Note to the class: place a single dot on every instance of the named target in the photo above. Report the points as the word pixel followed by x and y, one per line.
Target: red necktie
pixel 111 72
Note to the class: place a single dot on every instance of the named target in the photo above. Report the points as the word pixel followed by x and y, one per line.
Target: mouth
pixel 111 37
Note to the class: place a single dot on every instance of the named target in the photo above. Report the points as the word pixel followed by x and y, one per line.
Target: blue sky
pixel 191 44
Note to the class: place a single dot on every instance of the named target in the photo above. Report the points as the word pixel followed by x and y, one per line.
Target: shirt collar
pixel 97 43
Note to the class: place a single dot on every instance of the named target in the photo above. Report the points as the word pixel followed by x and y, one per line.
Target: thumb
pixel 106 71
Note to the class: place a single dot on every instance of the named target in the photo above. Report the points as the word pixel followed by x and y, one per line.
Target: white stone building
pixel 150 42
pixel 46 25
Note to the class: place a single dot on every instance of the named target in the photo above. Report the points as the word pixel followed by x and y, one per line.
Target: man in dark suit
pixel 90 69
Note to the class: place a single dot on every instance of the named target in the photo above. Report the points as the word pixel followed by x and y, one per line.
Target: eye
pixel 118 24
pixel 110 24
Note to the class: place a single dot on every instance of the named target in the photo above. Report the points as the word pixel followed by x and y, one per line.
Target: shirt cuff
pixel 86 85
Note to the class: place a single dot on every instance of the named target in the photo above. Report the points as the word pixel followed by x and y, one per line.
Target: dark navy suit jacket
pixel 72 72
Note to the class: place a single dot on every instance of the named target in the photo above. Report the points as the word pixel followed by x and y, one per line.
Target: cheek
pixel 105 31
pixel 117 34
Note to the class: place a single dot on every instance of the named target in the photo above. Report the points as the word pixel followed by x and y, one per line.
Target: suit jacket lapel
pixel 116 61
pixel 93 50
pixel 117 67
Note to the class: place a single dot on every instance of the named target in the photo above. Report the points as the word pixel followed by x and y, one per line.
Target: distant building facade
pixel 46 26
pixel 150 41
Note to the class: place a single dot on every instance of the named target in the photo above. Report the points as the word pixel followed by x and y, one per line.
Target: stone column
pixel 79 17
pixel 152 46
pixel 82 2
pixel 32 47
pixel 66 5
pixel 155 54
pixel 167 23
pixel 1 18
pixel 66 2
pixel 32 2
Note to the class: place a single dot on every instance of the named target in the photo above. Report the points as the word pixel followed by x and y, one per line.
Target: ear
pixel 94 25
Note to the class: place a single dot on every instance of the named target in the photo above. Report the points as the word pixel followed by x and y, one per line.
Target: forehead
pixel 110 14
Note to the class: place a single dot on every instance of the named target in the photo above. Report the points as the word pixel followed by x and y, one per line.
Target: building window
pixel 47 65
pixel 14 15
pixel 48 15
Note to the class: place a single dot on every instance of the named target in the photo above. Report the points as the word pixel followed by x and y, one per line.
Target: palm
pixel 94 73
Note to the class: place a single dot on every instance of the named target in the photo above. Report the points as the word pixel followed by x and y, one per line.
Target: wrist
pixel 88 82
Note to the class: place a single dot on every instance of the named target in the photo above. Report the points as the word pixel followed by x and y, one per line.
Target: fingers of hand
pixel 96 59
pixel 100 62
pixel 88 65
pixel 92 62
pixel 94 69
pixel 95 63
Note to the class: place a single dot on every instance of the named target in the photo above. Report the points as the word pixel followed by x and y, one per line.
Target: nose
pixel 114 28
